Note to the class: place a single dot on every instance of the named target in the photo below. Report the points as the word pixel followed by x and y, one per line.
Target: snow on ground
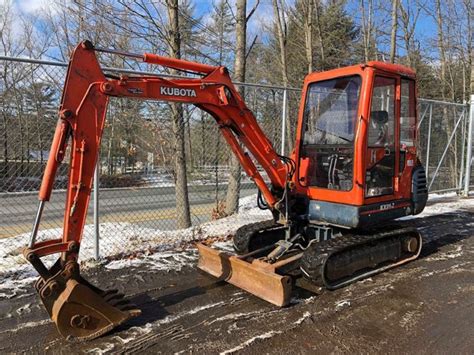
pixel 453 203
pixel 154 247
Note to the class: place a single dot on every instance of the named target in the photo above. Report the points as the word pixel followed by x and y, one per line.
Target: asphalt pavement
pixel 153 206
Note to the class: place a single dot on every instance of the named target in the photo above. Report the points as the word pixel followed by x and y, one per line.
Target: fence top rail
pixel 138 72
pixel 420 100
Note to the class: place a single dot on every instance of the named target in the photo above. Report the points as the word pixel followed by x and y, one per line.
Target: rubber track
pixel 316 256
pixel 244 234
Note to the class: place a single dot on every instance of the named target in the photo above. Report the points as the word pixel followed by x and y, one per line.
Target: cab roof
pixel 356 69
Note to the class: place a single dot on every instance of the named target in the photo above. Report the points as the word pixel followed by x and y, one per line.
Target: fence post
pixel 96 208
pixel 467 175
pixel 460 186
pixel 428 144
pixel 283 122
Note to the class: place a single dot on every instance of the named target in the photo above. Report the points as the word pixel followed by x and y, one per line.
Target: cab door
pixel 382 142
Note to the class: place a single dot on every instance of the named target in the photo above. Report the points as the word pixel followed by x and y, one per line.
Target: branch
pixel 252 11
pixel 231 11
pixel 251 47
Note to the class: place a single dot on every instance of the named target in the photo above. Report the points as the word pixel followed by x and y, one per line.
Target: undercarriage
pixel 267 265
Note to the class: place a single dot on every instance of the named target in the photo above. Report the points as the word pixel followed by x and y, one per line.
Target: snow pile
pixel 142 239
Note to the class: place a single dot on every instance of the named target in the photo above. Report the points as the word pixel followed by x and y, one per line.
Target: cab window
pixel 407 113
pixel 382 115
pixel 330 119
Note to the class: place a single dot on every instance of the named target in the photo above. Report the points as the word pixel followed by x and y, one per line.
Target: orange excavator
pixel 354 169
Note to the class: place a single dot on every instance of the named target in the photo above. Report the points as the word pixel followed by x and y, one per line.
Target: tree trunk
pixel 183 217
pixel 319 27
pixel 393 37
pixel 5 145
pixel 405 19
pixel 472 72
pixel 308 30
pixel 109 147
pixel 366 28
pixel 470 48
pixel 441 49
pixel 279 13
pixel 233 189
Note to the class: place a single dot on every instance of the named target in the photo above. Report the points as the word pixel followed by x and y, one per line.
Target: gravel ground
pixel 425 306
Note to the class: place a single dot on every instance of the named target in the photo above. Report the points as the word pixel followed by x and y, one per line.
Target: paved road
pixel 425 307
pixel 153 206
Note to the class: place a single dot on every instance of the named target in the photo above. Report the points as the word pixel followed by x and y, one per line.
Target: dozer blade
pixel 80 310
pixel 253 276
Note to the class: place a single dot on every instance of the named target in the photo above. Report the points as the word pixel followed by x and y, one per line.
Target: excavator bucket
pixel 80 310
pixel 252 275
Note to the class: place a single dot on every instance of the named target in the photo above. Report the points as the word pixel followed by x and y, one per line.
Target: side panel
pixel 348 216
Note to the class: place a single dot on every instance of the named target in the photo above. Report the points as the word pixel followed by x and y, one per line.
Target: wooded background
pixel 273 42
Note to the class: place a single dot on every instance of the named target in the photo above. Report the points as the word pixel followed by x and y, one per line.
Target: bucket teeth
pixel 80 310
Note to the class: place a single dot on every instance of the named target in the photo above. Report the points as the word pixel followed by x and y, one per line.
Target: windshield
pixel 331 111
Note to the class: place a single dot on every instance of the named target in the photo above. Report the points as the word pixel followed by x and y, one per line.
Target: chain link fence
pixel 443 128
pixel 136 175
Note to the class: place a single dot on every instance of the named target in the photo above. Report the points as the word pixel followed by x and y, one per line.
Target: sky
pixel 425 30
pixel 31 6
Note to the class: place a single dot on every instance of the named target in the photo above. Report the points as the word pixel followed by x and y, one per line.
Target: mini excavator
pixel 354 169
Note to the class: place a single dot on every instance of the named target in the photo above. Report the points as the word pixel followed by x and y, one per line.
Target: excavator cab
pixel 356 146
pixel 355 168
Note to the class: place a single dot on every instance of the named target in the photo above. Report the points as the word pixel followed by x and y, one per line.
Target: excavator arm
pixel 81 122
pixel 82 117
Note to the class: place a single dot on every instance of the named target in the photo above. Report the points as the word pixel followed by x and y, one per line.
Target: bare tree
pixel 6 47
pixel 241 20
pixel 319 32
pixel 472 73
pixel 409 16
pixel 282 34
pixel 280 14
pixel 470 11
pixel 233 189
pixel 367 28
pixel 308 31
pixel 393 36
pixel 182 201
pixel 222 22
pixel 441 48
